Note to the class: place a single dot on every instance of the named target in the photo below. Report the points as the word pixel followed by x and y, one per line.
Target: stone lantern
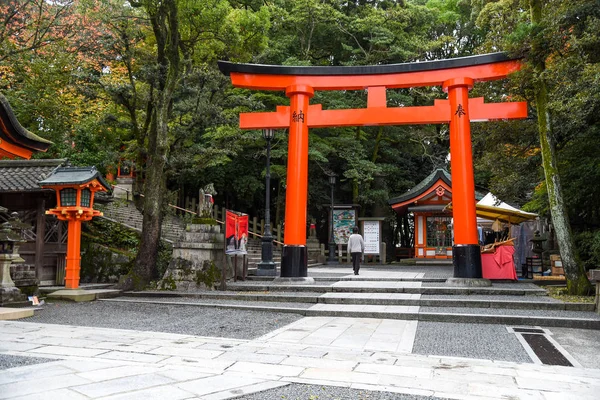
pixel 538 244
pixel 9 293
pixel 75 189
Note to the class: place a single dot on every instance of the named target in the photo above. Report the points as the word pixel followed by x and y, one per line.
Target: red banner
pixel 236 233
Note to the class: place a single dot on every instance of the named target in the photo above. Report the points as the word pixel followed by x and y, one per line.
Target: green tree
pixel 554 39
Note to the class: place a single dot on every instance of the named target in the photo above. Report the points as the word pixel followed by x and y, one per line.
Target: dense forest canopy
pixel 106 79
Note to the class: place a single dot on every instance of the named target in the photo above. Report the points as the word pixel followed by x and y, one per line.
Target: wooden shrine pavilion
pixel 428 202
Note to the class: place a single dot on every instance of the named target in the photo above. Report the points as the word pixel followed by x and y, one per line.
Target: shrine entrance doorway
pixel 455 76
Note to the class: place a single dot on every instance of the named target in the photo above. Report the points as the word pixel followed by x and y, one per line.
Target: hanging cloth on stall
pixel 497 226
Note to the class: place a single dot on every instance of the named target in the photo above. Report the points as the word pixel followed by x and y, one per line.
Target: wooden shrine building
pixel 433 225
pixel 20 192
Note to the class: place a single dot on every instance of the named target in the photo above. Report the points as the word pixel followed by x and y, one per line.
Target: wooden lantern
pixel 75 189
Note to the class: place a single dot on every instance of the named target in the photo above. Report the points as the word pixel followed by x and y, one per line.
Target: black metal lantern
pixel 268 134
pixel 331 257
pixel 266 267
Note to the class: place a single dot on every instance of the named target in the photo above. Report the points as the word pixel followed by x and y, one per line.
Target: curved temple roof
pixel 227 67
pixel 76 176
pixel 16 141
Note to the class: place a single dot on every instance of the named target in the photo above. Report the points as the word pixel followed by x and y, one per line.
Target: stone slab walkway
pixel 368 354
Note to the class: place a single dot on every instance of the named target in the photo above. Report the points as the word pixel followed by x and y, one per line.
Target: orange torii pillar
pixel 294 257
pixel 466 251
pixel 456 76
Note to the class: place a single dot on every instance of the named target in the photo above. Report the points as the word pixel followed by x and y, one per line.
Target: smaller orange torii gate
pixel 456 77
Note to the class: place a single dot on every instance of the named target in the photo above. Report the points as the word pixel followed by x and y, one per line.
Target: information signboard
pixel 343 222
pixel 371 236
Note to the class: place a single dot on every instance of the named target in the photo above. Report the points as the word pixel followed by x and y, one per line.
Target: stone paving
pixel 367 354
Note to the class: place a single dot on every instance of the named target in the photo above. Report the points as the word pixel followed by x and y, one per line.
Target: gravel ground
pixel 217 301
pixel 532 299
pixel 187 320
pixel 511 311
pixel 483 341
pixel 296 391
pixel 7 361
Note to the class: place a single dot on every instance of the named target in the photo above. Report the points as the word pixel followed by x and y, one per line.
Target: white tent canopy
pixel 491 208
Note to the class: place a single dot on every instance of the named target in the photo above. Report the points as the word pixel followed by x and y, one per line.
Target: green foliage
pixel 168 283
pixel 208 276
pixel 165 253
pixel 204 221
pixel 561 293
pixel 588 245
pixel 112 235
pixel 90 83
pixel 103 264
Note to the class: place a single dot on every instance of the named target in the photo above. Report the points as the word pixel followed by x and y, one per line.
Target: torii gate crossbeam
pixel 456 76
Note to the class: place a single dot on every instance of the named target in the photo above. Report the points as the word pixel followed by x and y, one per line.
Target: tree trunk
pixel 163 17
pixel 577 281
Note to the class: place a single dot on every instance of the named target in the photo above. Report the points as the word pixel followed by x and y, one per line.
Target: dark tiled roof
pixel 422 186
pixel 426 183
pixel 75 175
pixel 16 133
pixel 24 175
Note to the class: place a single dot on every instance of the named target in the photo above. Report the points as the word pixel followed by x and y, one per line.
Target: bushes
pixel 110 250
pixel 588 245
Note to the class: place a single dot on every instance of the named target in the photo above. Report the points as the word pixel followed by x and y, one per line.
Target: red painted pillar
pixel 294 258
pixel 466 253
pixel 73 265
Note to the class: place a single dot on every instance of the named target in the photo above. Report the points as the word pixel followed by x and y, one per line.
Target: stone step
pixel 9 313
pixel 79 295
pixel 83 286
pixel 588 320
pixel 386 287
pixel 332 279
pixel 396 299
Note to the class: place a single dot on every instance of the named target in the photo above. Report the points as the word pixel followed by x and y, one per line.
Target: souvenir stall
pixel 497 258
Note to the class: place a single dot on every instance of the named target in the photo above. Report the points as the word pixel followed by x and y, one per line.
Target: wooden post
pixel 255 224
pixel 279 232
pixel 73 267
pixel 235 274
pixel 244 268
pixel 40 232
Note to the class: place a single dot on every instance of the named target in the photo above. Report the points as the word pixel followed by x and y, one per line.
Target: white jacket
pixel 355 244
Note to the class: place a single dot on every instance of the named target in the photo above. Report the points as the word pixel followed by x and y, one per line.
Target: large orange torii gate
pixel 456 77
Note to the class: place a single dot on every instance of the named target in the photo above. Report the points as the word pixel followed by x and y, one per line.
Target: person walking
pixel 356 246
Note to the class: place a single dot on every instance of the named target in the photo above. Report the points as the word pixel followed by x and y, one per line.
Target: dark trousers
pixel 356 261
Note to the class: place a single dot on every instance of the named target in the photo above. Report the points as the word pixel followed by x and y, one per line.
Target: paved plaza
pixel 131 348
pixel 358 353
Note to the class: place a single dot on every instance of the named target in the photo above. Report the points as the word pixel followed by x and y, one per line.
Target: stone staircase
pixel 254 248
pixel 392 292
pixel 125 213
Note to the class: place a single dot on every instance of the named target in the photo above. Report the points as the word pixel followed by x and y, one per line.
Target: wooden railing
pixel 218 213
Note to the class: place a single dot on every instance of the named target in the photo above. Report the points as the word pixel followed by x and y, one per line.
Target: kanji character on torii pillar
pixel 456 76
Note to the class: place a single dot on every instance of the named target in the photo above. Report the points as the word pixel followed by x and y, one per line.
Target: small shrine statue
pixel 206 201
pixel 312 229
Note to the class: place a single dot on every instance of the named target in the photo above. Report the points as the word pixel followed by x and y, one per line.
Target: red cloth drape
pixel 500 264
